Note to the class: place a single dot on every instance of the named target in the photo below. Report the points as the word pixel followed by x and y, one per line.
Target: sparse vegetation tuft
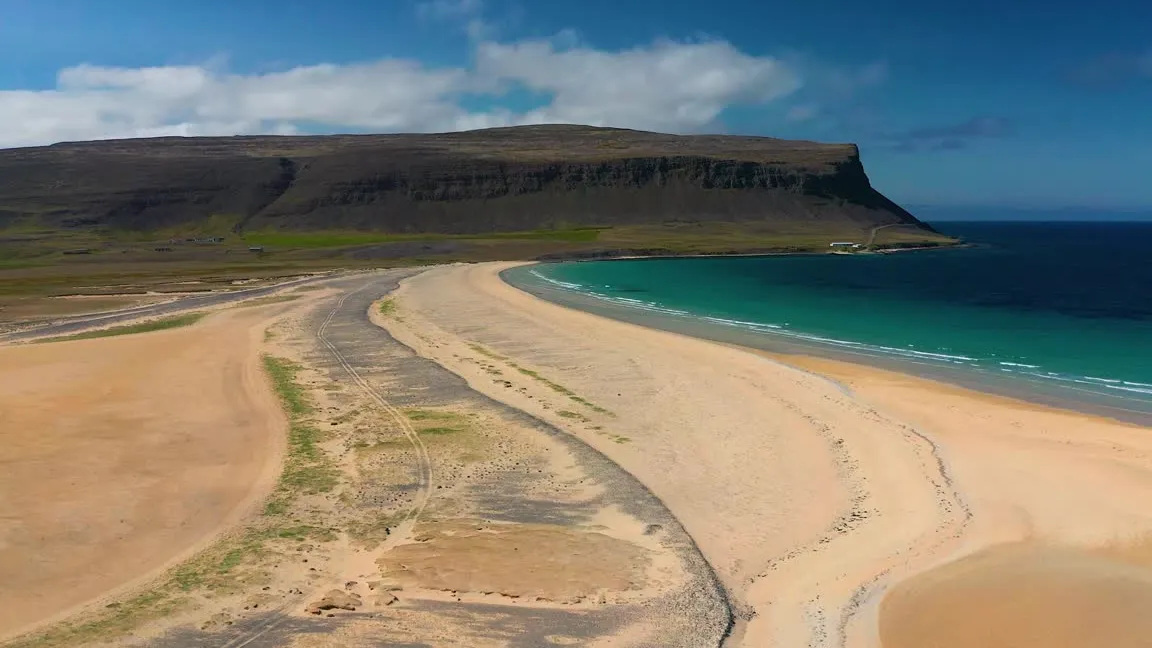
pixel 431 415
pixel 440 430
pixel 572 415
pixel 186 319
pixel 307 469
pixel 485 352
pixel 265 301
pixel 372 532
pixel 283 374
pixel 535 375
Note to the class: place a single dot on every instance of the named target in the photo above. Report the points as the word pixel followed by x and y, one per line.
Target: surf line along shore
pixel 810 500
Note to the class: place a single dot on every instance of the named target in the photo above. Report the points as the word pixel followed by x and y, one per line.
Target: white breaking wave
pixel 562 284
pixel 908 353
pixel 732 322
pixel 1138 390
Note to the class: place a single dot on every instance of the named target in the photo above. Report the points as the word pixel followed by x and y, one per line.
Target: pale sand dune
pixel 810 502
pixel 120 455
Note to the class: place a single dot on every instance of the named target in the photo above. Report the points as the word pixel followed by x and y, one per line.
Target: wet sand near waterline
pixel 1066 492
pixel 1023 595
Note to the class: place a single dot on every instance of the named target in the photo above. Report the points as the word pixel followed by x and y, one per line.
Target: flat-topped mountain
pixel 487 181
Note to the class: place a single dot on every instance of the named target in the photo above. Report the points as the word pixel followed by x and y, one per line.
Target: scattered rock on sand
pixel 335 600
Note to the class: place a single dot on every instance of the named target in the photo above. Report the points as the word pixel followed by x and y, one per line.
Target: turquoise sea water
pixel 1055 312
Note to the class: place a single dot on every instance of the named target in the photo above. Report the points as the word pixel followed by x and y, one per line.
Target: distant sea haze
pixel 953 213
pixel 1055 312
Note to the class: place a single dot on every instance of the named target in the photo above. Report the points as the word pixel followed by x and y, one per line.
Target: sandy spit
pixel 795 492
pixel 812 491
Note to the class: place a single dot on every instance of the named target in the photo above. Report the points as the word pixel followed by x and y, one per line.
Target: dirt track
pixel 121 455
pixel 468 567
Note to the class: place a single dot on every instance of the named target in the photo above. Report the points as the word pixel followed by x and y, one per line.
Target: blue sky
pixel 1021 103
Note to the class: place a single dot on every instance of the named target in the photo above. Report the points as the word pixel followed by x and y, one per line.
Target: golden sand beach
pixel 840 505
pixel 837 504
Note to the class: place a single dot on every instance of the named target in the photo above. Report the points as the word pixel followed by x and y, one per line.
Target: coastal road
pixel 872 236
pixel 79 323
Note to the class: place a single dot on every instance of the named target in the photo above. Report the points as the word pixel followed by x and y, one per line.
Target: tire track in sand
pixel 424 467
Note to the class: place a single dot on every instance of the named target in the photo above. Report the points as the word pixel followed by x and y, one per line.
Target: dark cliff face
pixel 480 181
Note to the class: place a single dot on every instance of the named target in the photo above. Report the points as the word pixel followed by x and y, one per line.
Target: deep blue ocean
pixel 1055 312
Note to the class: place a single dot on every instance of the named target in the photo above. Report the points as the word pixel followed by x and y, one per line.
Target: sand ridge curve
pixel 796 493
pixel 811 498
pixel 124 455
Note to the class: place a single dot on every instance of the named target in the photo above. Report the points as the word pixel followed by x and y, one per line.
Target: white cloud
pixel 93 102
pixel 666 86
pixel 671 86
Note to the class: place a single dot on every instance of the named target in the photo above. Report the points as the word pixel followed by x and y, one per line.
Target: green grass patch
pixel 222 225
pixel 592 406
pixel 572 415
pixel 485 352
pixel 431 415
pixel 575 235
pixel 308 240
pixel 438 423
pixel 440 431
pixel 16 264
pixel 178 321
pixel 118 619
pixel 223 568
pixel 387 307
pixel 264 301
pixel 338 239
pixel 283 374
pixel 307 470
